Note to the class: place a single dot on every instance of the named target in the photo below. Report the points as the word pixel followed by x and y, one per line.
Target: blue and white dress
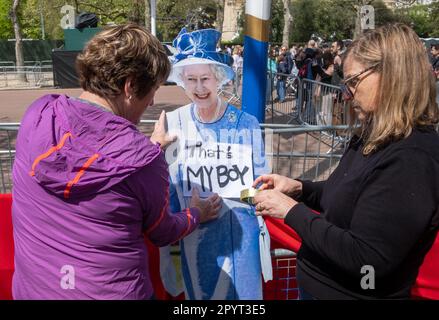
pixel 221 258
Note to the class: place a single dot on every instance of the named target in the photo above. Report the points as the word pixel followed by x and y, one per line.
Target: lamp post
pixel 153 17
pixel 43 33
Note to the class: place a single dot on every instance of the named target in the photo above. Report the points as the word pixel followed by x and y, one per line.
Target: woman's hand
pixel 290 187
pixel 273 203
pixel 160 135
pixel 209 207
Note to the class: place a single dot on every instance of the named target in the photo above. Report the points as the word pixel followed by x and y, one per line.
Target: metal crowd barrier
pixel 287 108
pixel 322 104
pixel 284 283
pixel 305 152
pixel 35 76
pixel 231 92
pixel 8 134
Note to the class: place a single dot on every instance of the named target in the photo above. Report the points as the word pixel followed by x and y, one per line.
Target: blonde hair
pixel 406 95
pixel 117 53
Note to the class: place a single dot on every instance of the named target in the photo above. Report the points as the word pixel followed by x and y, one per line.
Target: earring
pixel 130 97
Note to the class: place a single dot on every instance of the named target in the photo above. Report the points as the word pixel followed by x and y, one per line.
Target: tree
pixel 304 21
pixel 148 15
pixel 424 19
pixel 334 20
pixel 6 29
pixel 175 14
pixel 18 41
pixel 287 23
pixel 220 4
pixel 137 12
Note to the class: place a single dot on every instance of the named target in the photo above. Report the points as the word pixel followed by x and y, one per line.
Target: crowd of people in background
pixel 315 61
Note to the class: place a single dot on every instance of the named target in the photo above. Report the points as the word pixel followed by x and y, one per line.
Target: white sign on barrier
pixel 221 168
pixel 68 20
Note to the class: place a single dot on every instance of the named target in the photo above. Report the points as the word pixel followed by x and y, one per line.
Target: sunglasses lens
pixel 346 93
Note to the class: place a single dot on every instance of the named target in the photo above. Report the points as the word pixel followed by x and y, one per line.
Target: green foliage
pixel 277 21
pixel 424 19
pixel 176 14
pixel 326 18
pixel 6 29
pixel 335 19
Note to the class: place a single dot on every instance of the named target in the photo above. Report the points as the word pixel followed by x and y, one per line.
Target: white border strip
pixel 258 8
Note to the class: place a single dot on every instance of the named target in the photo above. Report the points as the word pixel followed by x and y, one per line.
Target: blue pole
pixel 257 22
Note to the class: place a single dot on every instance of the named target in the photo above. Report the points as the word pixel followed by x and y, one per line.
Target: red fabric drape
pixel 427 282
pixel 6 247
pixel 282 236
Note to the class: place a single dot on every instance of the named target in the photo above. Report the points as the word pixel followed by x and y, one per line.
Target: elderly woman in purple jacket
pixel 88 186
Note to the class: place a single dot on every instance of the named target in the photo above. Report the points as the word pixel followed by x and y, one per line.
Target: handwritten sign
pixel 220 168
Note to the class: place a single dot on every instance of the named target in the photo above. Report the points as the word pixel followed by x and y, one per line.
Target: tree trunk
pixel 18 43
pixel 220 6
pixel 135 14
pixel 148 15
pixel 76 5
pixel 357 32
pixel 287 23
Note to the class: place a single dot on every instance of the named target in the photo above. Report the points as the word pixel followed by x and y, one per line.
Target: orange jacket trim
pixel 49 152
pixel 162 213
pixel 78 176
pixel 189 217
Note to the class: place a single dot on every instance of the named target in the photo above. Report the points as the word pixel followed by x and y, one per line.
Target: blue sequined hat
pixel 198 47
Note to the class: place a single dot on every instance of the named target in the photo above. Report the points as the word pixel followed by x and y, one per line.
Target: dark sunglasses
pixel 354 82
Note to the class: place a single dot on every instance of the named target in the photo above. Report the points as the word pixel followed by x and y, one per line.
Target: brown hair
pixel 406 95
pixel 117 53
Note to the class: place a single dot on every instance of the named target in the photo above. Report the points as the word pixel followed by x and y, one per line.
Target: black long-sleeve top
pixel 379 210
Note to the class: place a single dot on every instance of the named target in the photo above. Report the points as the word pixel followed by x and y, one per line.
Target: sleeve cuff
pixel 296 218
pixel 195 212
pixel 306 187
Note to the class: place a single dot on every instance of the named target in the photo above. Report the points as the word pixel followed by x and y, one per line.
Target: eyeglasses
pixel 345 90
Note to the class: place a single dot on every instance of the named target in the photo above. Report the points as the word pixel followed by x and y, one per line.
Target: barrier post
pixel 257 22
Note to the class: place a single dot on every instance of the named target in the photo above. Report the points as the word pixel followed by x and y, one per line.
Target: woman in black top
pixel 380 207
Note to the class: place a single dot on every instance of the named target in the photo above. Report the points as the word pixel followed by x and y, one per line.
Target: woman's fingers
pixel 161 122
pixel 260 196
pixel 266 186
pixel 195 193
pixel 213 197
pixel 266 181
pixel 217 202
pixel 257 181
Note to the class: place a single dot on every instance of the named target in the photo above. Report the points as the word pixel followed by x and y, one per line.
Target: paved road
pixel 13 103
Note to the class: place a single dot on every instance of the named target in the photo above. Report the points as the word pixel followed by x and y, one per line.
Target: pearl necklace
pixel 198 116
